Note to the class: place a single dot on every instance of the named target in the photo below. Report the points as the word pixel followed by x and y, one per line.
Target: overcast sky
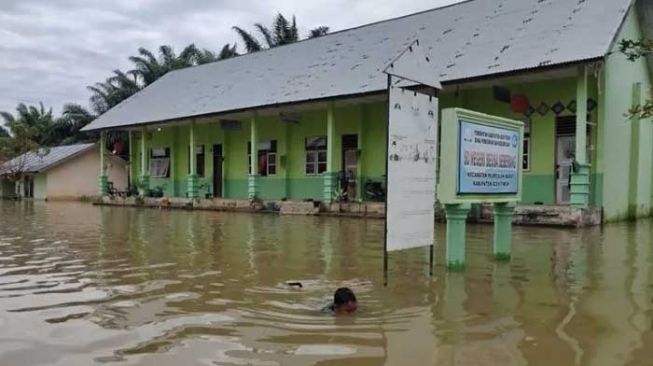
pixel 51 50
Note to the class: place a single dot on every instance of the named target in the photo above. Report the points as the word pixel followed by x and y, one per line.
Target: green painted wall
pixel 616 133
pixel 367 121
pixel 539 180
pixel 290 180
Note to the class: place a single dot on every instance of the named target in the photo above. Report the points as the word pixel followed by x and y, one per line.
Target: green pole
pixel 253 173
pixel 131 158
pixel 456 228
pixel 191 189
pixel 145 176
pixel 329 175
pixel 580 179
pixel 634 154
pixel 104 180
pixel 503 213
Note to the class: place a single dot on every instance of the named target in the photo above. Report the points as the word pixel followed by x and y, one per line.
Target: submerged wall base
pixel 562 216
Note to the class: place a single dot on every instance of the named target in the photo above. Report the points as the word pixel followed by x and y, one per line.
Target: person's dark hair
pixel 343 296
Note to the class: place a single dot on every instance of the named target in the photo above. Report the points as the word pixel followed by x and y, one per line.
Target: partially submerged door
pixel 350 164
pixel 217 170
pixel 565 151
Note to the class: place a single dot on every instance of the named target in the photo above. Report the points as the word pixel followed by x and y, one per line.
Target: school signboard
pixel 412 159
pixel 482 157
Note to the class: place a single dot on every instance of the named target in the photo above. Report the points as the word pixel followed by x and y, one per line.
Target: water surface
pixel 83 285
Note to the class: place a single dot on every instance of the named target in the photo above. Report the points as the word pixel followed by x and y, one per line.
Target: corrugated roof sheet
pixel 33 162
pixel 470 39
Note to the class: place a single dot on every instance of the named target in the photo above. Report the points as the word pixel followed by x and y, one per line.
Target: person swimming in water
pixel 344 302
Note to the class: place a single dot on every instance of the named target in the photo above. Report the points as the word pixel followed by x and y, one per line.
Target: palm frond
pixel 227 51
pixel 318 32
pixel 251 43
pixel 269 39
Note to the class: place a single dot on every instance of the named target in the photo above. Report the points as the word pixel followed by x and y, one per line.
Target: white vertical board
pixel 412 157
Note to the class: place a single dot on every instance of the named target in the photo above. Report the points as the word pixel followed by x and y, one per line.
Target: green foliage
pixel 318 32
pixel 280 33
pixel 634 50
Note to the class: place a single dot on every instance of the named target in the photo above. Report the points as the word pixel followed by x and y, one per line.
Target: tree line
pixel 31 127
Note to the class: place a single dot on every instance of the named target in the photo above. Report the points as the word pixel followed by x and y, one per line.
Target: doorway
pixel 565 152
pixel 217 170
pixel 349 166
pixel 566 155
pixel 28 186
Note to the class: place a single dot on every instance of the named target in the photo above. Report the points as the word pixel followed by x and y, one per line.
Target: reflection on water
pixel 83 285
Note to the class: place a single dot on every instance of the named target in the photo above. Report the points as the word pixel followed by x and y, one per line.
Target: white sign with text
pixel 412 157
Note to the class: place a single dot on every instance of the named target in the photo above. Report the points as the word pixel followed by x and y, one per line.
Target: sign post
pixel 411 159
pixel 483 165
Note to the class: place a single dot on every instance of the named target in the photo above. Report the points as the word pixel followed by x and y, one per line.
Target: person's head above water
pixel 344 301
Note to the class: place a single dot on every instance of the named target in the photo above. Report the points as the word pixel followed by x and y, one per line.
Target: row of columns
pixel 329 175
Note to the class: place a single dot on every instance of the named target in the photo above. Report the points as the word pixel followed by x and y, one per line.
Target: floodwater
pixel 83 285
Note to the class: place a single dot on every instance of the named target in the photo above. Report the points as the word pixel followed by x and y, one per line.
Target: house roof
pixel 471 39
pixel 44 159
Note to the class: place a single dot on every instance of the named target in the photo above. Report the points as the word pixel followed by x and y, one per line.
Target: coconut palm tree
pixel 227 51
pixel 318 32
pixel 282 32
pixel 33 121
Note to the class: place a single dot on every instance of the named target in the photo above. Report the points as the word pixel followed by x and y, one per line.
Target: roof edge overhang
pixel 378 93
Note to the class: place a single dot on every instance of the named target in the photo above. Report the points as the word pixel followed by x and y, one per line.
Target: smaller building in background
pixel 60 173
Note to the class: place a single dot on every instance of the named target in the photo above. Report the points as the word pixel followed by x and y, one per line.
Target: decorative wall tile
pixel 572 106
pixel 558 108
pixel 543 109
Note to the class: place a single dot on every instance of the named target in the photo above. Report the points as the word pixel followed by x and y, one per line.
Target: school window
pixel 316 155
pixel 267 158
pixel 160 163
pixel 199 160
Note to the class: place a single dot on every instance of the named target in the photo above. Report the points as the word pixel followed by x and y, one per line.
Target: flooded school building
pixel 307 121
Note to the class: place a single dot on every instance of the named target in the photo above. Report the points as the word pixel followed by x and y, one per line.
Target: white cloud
pixel 51 51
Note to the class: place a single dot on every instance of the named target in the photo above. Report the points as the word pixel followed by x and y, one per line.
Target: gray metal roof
pixel 35 162
pixel 467 40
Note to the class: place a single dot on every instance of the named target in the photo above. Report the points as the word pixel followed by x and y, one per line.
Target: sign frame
pixel 450 158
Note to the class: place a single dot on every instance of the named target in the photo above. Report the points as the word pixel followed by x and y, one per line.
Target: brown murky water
pixel 81 285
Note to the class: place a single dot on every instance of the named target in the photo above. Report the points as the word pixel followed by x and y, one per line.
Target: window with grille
pixel 316 155
pixel 160 163
pixel 267 158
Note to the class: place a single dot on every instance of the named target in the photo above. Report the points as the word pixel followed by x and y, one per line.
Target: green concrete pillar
pixel 252 187
pixel 192 182
pixel 103 181
pixel 145 172
pixel 285 160
pixel 455 237
pixel 633 174
pixel 132 174
pixel 330 174
pixel 580 179
pixel 503 213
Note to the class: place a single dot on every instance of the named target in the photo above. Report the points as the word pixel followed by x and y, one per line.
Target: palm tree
pixel 35 122
pixel 318 32
pixel 66 129
pixel 227 51
pixel 4 132
pixel 282 32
